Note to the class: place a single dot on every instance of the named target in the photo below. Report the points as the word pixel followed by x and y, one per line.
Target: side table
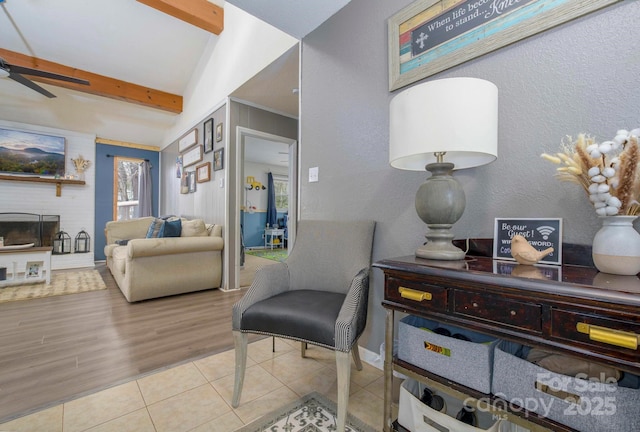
pixel 272 233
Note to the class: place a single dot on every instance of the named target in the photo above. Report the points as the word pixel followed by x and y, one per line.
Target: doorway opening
pixel 259 155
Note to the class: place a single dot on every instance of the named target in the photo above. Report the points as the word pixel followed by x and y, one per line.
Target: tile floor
pixel 196 396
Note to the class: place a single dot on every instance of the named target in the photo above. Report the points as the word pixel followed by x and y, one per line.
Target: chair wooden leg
pixel 343 364
pixel 303 349
pixel 356 356
pixel 240 342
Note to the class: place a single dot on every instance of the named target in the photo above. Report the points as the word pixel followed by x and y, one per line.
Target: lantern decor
pixel 83 242
pixel 61 243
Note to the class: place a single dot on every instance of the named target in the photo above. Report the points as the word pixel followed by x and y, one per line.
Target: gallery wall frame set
pixel 430 36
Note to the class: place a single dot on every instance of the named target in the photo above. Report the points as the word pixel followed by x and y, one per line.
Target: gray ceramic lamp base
pixel 440 202
pixel 439 246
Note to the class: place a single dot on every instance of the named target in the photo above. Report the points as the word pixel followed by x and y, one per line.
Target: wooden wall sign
pixel 188 141
pixel 430 36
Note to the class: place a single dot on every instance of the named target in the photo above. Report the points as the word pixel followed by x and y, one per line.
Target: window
pixel 281 186
pixel 125 188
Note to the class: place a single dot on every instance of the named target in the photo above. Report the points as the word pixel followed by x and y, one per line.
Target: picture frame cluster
pixel 193 154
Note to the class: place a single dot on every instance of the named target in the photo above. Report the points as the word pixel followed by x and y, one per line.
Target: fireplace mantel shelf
pixel 57 182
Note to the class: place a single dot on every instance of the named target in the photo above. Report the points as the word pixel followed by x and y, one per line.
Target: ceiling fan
pixel 15 73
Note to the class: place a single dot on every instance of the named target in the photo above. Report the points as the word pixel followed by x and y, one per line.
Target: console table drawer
pixel 416 294
pixel 598 332
pixel 503 311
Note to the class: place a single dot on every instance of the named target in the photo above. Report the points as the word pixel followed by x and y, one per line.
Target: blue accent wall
pixel 104 187
pixel 253 225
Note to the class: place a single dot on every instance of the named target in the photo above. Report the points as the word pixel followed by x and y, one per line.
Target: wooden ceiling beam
pixel 200 13
pixel 99 85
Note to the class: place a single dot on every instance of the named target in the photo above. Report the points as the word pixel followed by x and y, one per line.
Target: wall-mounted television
pixel 29 153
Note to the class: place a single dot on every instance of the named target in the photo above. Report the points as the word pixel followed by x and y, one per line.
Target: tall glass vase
pixel 616 246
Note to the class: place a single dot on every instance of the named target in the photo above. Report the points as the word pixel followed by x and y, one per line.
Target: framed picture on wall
pixel 203 172
pixel 219 132
pixel 184 183
pixel 192 156
pixel 192 181
pixel 218 162
pixel 188 141
pixel 208 135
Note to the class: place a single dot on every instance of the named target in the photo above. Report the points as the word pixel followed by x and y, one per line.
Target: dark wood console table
pixel 569 309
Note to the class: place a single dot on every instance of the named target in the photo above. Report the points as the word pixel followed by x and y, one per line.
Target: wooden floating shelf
pixel 57 182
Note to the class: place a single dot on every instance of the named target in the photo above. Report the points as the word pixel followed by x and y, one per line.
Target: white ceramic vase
pixel 616 246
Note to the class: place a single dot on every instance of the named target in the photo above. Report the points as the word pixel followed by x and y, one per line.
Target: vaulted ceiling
pixel 127 49
pixel 140 51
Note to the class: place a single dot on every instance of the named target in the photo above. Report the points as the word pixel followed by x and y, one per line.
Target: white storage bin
pixel 467 363
pixel 601 407
pixel 415 416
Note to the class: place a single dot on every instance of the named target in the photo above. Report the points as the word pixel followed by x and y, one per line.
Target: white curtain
pixel 145 189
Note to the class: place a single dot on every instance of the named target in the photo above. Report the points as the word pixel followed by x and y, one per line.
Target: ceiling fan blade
pixel 44 74
pixel 33 86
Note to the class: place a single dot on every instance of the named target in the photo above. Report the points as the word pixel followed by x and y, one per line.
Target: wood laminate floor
pixel 55 349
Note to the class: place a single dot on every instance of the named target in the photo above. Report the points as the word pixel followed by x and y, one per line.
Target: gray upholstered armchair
pixel 318 296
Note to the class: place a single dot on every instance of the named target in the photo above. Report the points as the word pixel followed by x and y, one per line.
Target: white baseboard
pixel 371 358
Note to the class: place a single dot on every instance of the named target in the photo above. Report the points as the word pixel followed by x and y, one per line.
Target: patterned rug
pixel 270 254
pixel 67 282
pixel 310 413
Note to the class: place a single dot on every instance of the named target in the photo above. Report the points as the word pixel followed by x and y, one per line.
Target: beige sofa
pixel 146 268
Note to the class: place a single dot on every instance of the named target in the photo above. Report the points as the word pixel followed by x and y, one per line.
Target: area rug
pixel 310 413
pixel 67 282
pixel 270 254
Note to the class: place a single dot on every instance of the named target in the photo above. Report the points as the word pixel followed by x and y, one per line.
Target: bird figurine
pixel 526 254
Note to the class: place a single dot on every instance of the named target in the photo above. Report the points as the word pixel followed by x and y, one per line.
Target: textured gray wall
pixel 579 77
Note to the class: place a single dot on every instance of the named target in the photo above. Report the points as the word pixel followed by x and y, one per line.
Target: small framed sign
pixel 188 141
pixel 540 233
pixel 192 156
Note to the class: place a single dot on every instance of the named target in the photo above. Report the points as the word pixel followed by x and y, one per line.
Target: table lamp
pixel 440 126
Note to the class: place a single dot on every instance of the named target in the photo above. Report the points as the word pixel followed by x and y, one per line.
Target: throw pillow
pixel 156 228
pixel 122 242
pixel 194 228
pixel 172 228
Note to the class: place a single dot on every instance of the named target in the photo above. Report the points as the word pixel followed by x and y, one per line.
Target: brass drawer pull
pixel 414 294
pixel 560 394
pixel 610 336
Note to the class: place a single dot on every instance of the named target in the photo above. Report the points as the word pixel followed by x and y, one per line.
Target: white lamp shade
pixel 458 116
